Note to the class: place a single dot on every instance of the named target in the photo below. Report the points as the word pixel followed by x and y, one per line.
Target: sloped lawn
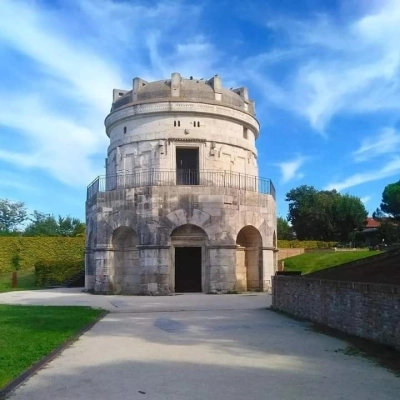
pixel 26 281
pixel 28 333
pixel 315 261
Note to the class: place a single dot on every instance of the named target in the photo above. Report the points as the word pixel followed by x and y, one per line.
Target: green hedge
pixel 23 252
pixel 49 273
pixel 305 244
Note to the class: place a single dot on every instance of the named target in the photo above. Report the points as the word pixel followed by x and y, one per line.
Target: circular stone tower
pixel 181 207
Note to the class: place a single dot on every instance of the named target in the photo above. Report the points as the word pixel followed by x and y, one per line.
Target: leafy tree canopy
pixel 12 215
pixel 324 215
pixel 391 200
pixel 285 231
pixel 47 225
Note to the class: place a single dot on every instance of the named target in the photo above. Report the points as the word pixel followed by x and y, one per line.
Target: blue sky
pixel 325 75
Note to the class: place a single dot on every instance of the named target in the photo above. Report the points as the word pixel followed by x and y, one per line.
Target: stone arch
pixel 124 237
pixel 124 218
pixel 190 232
pixel 180 217
pixel 188 259
pixel 124 271
pixel 249 259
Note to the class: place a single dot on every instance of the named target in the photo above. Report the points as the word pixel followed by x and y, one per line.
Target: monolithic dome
pixel 181 207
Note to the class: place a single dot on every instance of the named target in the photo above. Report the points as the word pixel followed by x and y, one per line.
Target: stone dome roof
pixel 196 90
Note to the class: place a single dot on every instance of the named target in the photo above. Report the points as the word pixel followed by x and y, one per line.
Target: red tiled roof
pixel 371 223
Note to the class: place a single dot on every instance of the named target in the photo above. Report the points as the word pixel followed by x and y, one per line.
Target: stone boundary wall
pixel 367 310
pixel 286 253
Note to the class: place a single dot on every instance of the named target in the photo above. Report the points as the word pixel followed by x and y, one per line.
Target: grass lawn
pixel 314 261
pixel 28 333
pixel 26 281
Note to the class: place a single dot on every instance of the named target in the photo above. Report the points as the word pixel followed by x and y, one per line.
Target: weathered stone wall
pixel 154 213
pixel 286 253
pixel 145 199
pixel 151 142
pixel 370 311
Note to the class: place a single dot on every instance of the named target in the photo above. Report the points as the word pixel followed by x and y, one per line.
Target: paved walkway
pixel 220 347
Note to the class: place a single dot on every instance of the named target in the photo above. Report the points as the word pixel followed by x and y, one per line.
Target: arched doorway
pixel 188 259
pixel 249 259
pixel 125 274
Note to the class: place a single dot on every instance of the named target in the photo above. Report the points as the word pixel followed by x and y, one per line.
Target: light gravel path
pixel 199 347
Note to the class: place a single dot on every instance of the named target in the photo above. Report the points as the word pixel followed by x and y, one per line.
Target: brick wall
pixel 286 253
pixel 367 310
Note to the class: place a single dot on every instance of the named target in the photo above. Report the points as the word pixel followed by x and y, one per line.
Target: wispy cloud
pixel 336 68
pixel 365 199
pixel 386 142
pixel 389 169
pixel 14 181
pixel 70 73
pixel 290 169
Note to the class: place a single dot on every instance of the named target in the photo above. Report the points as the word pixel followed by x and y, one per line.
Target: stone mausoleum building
pixel 181 207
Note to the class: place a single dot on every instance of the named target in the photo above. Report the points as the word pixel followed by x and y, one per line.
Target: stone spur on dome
pixel 181 207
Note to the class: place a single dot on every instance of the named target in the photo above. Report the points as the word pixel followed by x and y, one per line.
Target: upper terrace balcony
pixel 188 177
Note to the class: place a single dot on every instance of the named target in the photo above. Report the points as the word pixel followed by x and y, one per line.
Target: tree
pixel 378 215
pixel 285 231
pixel 389 232
pixel 300 209
pixel 70 226
pixel 391 200
pixel 47 225
pixel 349 215
pixel 12 215
pixel 42 225
pixel 324 215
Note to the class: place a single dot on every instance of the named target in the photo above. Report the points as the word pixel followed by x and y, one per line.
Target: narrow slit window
pixel 179 123
pixel 245 133
pixel 198 124
pixel 124 129
pixel 174 123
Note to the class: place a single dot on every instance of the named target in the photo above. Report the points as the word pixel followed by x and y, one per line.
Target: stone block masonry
pixel 366 310
pixel 181 207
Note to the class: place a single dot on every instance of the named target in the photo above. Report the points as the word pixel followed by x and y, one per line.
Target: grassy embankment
pixel 28 333
pixel 315 261
pixel 26 281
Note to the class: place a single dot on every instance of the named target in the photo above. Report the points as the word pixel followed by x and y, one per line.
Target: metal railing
pixel 178 177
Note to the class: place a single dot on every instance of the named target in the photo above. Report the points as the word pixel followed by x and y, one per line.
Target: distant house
pixel 371 224
pixel 369 234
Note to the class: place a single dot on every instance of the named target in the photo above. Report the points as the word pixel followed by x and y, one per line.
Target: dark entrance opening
pixel 188 269
pixel 187 166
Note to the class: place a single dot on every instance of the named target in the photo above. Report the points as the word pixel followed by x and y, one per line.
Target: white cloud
pixel 58 145
pixel 71 71
pixel 389 169
pixel 336 68
pixel 16 182
pixel 290 169
pixel 89 76
pixel 386 142
pixel 365 199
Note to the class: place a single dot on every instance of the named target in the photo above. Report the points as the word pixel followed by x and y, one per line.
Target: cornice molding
pixel 182 107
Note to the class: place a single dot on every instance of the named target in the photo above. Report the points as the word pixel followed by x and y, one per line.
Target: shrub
pixel 48 273
pixel 23 252
pixel 305 244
